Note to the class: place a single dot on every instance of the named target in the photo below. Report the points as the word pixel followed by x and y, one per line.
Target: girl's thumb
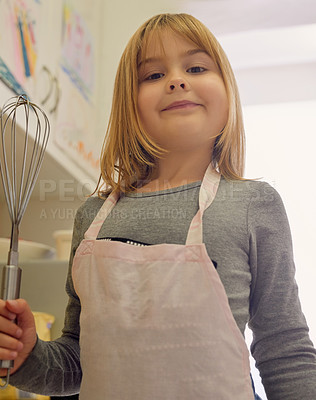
pixel 17 306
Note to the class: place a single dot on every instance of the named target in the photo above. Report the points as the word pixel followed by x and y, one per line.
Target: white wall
pixel 281 148
pixel 280 141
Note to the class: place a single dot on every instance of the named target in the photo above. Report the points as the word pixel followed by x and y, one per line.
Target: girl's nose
pixel 177 84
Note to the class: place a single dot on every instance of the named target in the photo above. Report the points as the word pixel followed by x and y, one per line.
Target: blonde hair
pixel 129 155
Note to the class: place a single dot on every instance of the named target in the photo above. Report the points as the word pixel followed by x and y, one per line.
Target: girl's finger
pixel 7 354
pixel 10 328
pixel 10 343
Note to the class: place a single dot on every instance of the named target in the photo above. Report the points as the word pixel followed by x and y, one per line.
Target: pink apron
pixel 155 321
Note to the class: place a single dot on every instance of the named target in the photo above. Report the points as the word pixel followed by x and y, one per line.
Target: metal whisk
pixel 19 176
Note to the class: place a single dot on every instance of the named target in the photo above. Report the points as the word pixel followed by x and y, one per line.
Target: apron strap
pixel 104 211
pixel 208 191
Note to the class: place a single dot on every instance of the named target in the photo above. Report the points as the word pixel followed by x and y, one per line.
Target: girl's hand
pixel 17 332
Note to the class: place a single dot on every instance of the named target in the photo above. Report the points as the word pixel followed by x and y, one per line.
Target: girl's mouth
pixel 180 105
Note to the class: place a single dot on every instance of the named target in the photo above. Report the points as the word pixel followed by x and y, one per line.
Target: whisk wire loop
pixel 4 171
pixel 18 192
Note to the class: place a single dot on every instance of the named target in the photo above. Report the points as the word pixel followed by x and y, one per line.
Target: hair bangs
pixel 182 24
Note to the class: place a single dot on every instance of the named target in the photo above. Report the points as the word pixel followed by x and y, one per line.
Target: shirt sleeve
pixel 281 346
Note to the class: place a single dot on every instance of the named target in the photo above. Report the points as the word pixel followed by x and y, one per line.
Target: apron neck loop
pixel 207 194
pixel 104 211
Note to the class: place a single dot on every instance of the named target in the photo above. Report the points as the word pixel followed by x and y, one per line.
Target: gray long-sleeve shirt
pixel 247 236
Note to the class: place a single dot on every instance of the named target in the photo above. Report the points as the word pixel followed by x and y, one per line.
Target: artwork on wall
pixel 9 79
pixel 19 23
pixel 77 55
pixel 77 132
pixel 50 50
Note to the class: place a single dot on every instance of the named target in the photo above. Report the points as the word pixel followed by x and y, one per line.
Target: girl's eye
pixel 154 76
pixel 196 70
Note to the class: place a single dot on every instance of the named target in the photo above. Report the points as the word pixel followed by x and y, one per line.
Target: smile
pixel 178 105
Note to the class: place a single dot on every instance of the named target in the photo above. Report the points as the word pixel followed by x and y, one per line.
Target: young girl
pixel 177 253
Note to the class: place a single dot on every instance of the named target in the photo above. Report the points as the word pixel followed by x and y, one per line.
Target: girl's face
pixel 182 99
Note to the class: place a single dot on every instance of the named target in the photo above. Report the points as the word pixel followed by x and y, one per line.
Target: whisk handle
pixel 10 290
pixel 11 282
pixel 7 364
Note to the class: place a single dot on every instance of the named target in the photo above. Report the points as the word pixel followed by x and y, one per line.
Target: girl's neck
pixel 177 170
